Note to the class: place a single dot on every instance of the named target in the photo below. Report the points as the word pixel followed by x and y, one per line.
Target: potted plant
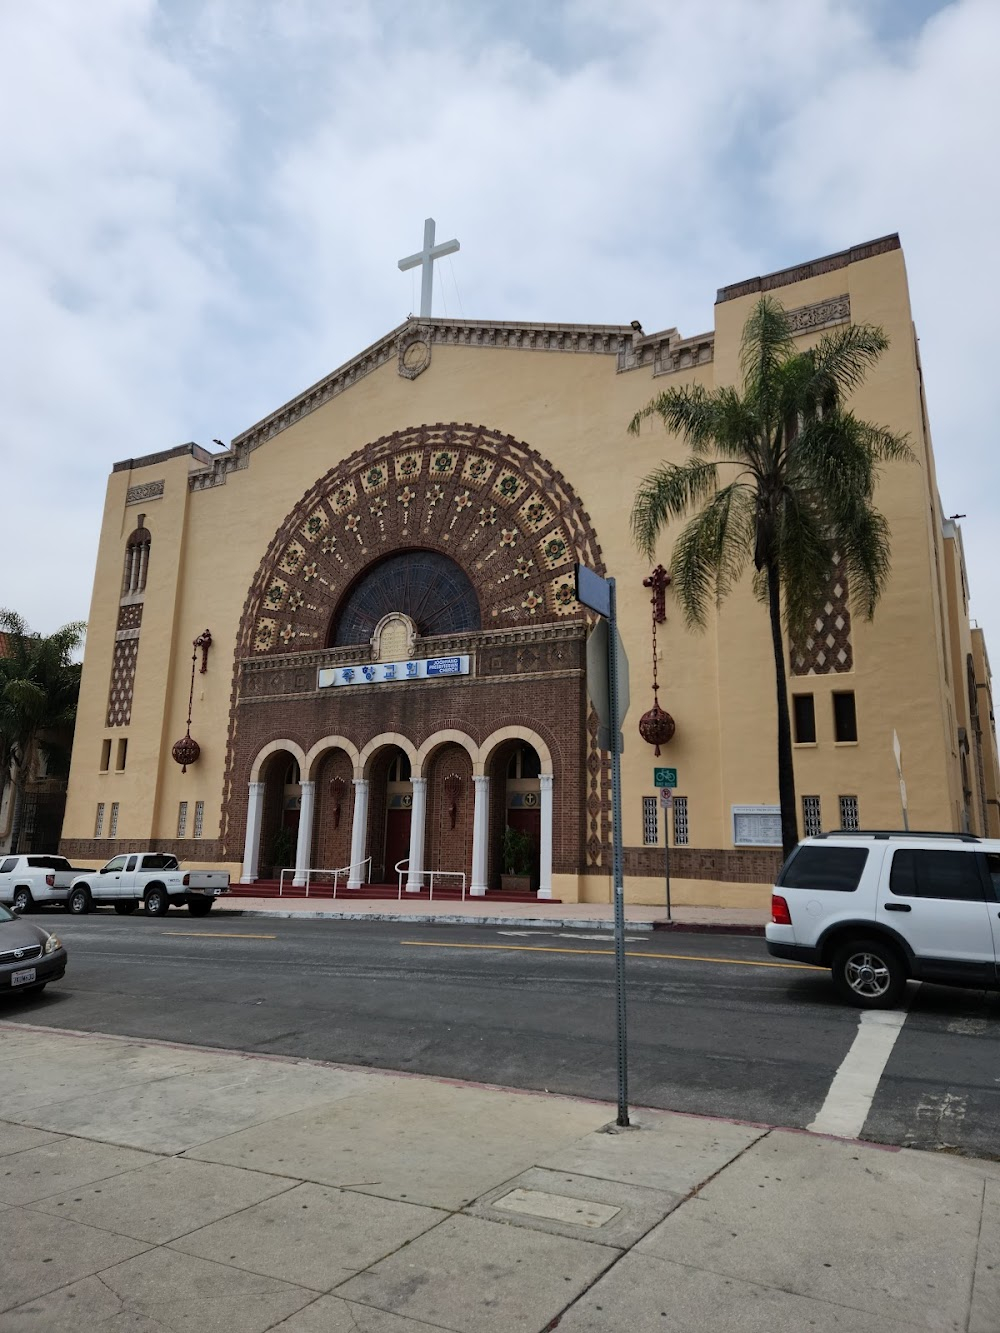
pixel 282 850
pixel 517 855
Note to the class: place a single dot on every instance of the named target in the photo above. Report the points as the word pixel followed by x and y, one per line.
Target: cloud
pixel 206 202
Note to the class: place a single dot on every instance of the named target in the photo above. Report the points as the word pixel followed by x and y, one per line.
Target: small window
pixel 845 718
pixel 131 863
pixel 824 869
pixel 116 863
pixel 199 817
pixel 812 824
pixel 292 775
pixel 993 866
pixel 105 755
pixel 531 766
pixel 650 822
pixel 113 826
pixel 850 818
pixel 99 821
pixel 182 819
pixel 680 821
pixel 804 714
pixel 122 755
pixel 159 861
pixel 8 865
pixel 936 874
pixel 399 769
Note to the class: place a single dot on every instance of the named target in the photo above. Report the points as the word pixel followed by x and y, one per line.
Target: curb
pixel 708 928
pixel 401 918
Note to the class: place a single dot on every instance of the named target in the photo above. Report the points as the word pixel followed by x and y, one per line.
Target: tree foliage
pixel 781 473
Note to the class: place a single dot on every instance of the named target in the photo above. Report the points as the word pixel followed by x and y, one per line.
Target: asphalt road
pixel 716 1027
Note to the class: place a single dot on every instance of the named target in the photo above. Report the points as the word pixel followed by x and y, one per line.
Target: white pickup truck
pixel 153 879
pixel 27 882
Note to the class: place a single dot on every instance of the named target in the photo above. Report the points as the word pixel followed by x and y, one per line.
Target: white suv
pixel 879 908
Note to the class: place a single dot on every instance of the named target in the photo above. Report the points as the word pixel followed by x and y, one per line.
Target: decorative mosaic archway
pixel 493 505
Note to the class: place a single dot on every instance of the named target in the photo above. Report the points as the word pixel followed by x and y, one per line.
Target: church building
pixel 350 642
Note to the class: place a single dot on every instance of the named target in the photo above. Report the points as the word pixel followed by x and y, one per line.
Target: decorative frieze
pixel 820 315
pixel 148 490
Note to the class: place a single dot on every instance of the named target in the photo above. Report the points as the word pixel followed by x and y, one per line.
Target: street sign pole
pixel 616 854
pixel 666 802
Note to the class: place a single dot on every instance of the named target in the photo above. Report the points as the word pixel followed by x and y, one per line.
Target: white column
pixel 418 818
pixel 480 836
pixel 143 557
pixel 545 848
pixel 303 847
pixel 251 845
pixel 359 832
pixel 133 568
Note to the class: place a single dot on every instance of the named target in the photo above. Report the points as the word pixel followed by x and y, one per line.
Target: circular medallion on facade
pixel 414 353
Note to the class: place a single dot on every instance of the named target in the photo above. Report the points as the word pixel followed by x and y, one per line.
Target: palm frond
pixel 713 551
pixel 668 493
pixel 766 343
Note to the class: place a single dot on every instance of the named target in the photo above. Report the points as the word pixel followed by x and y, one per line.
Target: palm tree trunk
pixel 786 769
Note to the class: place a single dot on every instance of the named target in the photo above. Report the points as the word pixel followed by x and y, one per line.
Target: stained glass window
pixel 426 586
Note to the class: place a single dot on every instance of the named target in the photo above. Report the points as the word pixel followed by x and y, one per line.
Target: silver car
pixel 30 957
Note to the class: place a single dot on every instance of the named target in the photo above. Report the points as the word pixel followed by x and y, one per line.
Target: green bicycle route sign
pixel 664 777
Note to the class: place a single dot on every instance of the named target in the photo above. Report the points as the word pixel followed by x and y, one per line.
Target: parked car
pixel 879 908
pixel 153 879
pixel 33 881
pixel 29 957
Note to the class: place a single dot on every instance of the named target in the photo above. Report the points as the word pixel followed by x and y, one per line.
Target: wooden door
pixel 397 841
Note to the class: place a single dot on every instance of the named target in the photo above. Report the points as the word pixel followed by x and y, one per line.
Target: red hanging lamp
pixel 656 726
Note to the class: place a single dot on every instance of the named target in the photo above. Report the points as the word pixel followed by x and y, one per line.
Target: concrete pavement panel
pixel 659 1150
pixel 65 1164
pixel 482 1277
pixel 329 1314
pixel 42 1253
pixel 647 1295
pixel 986 1286
pixel 181 1293
pixel 15 1138
pixel 314 1236
pixel 77 1308
pixel 579 1206
pixel 415 1139
pixel 169 1113
pixel 167 1199
pixel 890 1233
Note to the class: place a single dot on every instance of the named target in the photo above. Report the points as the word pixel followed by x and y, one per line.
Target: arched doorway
pixel 389 812
pixel 450 810
pixel 331 841
pixel 280 816
pixel 515 804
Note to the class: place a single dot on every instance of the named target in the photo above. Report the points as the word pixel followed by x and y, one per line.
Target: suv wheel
pixel 78 901
pixel 156 903
pixel 869 973
pixel 23 901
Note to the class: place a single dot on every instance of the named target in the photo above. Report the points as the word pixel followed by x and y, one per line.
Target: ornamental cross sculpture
pixel 426 258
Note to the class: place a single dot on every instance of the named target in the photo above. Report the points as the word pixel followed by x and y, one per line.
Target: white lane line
pixel 856 1081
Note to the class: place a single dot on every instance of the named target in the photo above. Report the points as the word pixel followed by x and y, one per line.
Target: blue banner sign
pixel 382 673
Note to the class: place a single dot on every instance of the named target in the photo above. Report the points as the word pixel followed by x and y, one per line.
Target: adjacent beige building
pixel 396 667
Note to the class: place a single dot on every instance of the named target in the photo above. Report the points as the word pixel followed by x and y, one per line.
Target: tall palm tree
pixel 39 686
pixel 780 473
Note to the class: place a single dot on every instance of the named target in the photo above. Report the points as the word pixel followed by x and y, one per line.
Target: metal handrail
pixel 439 874
pixel 340 870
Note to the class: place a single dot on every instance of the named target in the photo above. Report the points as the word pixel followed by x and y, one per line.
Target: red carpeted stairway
pixel 269 888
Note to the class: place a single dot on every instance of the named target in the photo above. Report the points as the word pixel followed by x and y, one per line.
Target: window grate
pixel 99 821
pixel 199 817
pixel 680 821
pixel 650 822
pixel 812 824
pixel 849 817
pixel 182 819
pixel 113 826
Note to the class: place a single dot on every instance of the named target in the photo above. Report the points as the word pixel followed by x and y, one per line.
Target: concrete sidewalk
pixel 146 1187
pixel 479 911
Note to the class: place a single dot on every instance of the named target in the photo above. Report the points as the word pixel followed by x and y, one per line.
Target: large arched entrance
pixel 390 811
pixel 282 802
pixel 514 770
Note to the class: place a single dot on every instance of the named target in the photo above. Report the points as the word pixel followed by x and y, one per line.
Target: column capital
pixel 256 787
pixel 481 779
pixel 359 782
pixel 418 782
pixel 307 786
pixel 545 781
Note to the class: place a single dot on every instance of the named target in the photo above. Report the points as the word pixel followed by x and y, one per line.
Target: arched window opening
pixel 136 560
pixel 427 586
pixel 524 763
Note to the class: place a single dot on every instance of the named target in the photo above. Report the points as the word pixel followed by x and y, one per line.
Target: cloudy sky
pixel 204 200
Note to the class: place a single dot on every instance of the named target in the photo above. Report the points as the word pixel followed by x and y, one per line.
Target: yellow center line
pixel 629 953
pixel 217 935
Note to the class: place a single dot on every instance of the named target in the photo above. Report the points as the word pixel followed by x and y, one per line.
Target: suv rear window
pixel 824 869
pixel 49 863
pixel 917 873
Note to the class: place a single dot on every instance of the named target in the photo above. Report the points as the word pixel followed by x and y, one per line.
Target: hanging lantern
pixel 656 726
pixel 187 750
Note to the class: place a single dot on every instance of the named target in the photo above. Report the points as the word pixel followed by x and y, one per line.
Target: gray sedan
pixel 30 957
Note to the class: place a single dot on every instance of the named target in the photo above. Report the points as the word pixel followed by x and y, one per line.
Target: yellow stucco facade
pixel 217 528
